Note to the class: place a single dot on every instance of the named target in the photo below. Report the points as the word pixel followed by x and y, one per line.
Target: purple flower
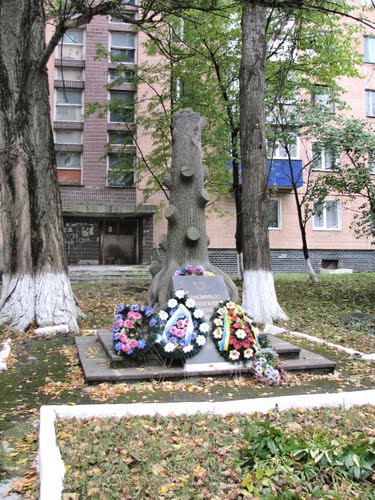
pixel 134 307
pixel 183 342
pixel 173 340
pixel 129 352
pixel 118 346
pixel 141 344
pixel 152 322
pixel 195 323
pixel 148 312
pixel 120 308
pixel 115 329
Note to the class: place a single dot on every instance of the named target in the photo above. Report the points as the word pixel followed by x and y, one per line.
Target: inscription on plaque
pixel 207 291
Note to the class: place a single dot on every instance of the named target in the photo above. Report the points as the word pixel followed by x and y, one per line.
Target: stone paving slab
pixel 97 367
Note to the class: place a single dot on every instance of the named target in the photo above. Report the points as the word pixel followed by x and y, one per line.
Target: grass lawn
pixel 41 371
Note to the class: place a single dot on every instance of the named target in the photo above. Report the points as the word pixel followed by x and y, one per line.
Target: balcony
pixel 282 174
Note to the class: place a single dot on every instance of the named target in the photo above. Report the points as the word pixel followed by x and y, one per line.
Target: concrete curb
pixel 51 466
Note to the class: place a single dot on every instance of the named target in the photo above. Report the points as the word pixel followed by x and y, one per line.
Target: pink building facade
pixel 105 219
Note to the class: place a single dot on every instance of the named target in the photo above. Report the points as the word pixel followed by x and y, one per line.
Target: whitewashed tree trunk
pixel 36 287
pixel 311 271
pixel 259 295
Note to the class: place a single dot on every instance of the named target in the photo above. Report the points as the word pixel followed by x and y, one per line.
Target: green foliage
pixel 277 461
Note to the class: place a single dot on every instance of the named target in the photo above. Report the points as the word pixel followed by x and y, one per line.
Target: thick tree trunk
pixel 259 296
pixel 187 240
pixel 36 287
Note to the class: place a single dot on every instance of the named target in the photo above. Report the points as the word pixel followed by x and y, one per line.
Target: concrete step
pixel 109 273
pixel 101 364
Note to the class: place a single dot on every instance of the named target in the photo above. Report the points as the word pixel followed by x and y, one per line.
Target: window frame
pixel 276 145
pixel 120 144
pixel 369 103
pixel 134 107
pixel 62 43
pixel 323 160
pixel 70 168
pixel 279 214
pixel 120 47
pixel 107 180
pixel 368 58
pixel 68 104
pixel 57 129
pixel 318 94
pixel 324 216
pixel 67 68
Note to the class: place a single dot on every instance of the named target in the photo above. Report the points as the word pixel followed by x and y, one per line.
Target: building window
pixel 63 136
pixel 323 158
pixel 123 137
pixel 68 105
pixel 128 14
pixel 120 75
pixel 73 74
pixel 369 43
pixel 326 215
pixel 274 213
pixel 323 100
pixel 371 163
pixel 71 45
pixel 370 102
pixel 120 170
pixel 277 150
pixel 68 160
pixel 123 47
pixel 128 2
pixel 370 4
pixel 121 107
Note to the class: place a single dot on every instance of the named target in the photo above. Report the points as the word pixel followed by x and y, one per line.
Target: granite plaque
pixel 207 291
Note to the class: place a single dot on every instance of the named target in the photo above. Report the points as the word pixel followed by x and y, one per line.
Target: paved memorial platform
pixel 101 364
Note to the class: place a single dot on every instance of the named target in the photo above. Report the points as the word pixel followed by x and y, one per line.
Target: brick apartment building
pixel 103 224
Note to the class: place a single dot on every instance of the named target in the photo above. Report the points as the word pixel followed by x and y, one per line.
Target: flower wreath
pixel 184 330
pixel 191 270
pixel 134 330
pixel 234 336
pixel 266 367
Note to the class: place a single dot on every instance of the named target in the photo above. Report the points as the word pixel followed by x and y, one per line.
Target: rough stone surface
pixel 273 330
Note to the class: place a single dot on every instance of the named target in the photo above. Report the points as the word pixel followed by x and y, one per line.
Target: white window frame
pixel 122 92
pixel 119 144
pixel 127 68
pixel 324 165
pixel 83 45
pixel 67 130
pixel 132 63
pixel 108 169
pixel 279 214
pixel 70 105
pixel 371 164
pixel 369 4
pixel 369 55
pixel 369 102
pixel 64 68
pixel 71 168
pixel 277 147
pixel 323 100
pixel 324 216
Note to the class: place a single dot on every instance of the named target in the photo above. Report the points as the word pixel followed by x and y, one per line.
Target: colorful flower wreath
pixel 234 336
pixel 184 331
pixel 191 270
pixel 266 367
pixel 134 330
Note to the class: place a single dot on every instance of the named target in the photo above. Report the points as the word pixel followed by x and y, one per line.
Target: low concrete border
pixel 51 466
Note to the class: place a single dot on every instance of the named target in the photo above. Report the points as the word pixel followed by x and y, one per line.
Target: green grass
pixel 201 456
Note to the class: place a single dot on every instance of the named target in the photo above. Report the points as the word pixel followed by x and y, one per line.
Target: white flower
pixel 201 340
pixel 180 294
pixel 158 339
pixel 218 333
pixel 248 353
pixel 241 334
pixel 233 355
pixel 188 348
pixel 163 315
pixel 220 311
pixel 169 347
pixel 172 303
pixel 198 313
pixel 204 327
pixel 218 322
pixel 190 303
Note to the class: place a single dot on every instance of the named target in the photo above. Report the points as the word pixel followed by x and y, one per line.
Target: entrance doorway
pixel 118 242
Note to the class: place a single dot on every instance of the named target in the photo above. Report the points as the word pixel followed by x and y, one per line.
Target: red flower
pixel 234 318
pixel 237 345
pixel 247 329
pixel 246 344
pixel 231 330
pixel 237 325
pixel 232 341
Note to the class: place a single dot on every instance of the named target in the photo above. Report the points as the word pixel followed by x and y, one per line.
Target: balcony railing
pixel 282 174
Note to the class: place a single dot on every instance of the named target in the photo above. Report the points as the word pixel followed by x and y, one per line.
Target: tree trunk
pixel 259 296
pixel 36 287
pixel 187 240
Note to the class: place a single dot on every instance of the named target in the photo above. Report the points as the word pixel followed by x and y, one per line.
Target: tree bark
pixel 259 296
pixel 36 287
pixel 187 240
